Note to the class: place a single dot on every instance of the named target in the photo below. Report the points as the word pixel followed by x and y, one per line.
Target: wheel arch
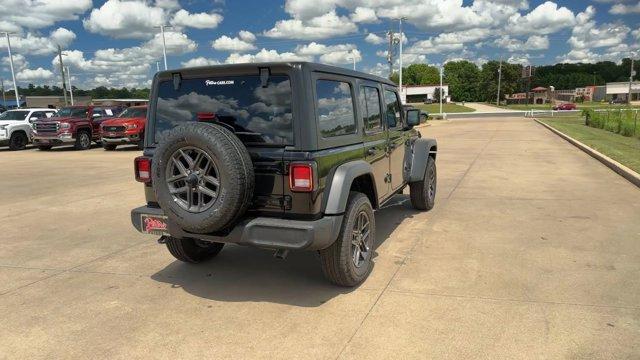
pixel 352 176
pixel 421 149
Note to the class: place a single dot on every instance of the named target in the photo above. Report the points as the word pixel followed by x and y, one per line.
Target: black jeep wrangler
pixel 282 156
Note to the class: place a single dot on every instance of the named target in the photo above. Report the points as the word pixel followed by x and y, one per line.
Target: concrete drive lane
pixel 532 251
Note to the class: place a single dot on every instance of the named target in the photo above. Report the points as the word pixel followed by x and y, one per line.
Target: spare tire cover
pixel 203 177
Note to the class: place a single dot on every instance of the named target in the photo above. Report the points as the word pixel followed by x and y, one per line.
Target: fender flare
pixel 338 190
pixel 421 149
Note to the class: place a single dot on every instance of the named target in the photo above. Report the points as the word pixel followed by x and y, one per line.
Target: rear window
pixel 257 114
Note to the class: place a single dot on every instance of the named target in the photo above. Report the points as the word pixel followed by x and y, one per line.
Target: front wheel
pixel 348 261
pixel 83 140
pixel 18 141
pixel 192 250
pixel 423 192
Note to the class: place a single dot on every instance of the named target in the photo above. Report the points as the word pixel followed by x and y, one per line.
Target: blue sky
pixel 115 43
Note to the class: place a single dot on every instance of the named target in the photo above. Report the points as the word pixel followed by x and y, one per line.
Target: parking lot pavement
pixel 532 251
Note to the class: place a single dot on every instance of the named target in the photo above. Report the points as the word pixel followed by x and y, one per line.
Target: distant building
pixel 620 90
pixel 123 102
pixel 10 102
pixel 421 93
pixel 54 101
pixel 540 95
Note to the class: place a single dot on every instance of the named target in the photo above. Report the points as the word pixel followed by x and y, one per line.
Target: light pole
pixel 4 99
pixel 157 66
pixel 13 74
pixel 164 44
pixel 499 80
pixel 353 57
pixel 400 54
pixel 441 73
pixel 70 87
pixel 631 74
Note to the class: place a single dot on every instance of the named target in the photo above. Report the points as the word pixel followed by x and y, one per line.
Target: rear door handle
pixel 371 151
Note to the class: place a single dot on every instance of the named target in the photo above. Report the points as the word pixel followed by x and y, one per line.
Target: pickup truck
pixel 77 125
pixel 126 128
pixel 15 126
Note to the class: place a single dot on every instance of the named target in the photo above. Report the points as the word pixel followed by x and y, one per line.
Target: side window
pixel 335 108
pixel 392 109
pixel 370 103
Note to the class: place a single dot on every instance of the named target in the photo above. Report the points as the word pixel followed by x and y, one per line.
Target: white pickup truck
pixel 15 126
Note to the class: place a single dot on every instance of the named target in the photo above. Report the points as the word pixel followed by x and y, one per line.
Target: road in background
pixel 532 250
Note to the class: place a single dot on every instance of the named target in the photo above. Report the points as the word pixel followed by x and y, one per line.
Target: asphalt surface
pixel 532 251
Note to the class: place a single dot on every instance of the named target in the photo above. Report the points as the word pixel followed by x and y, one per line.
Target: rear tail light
pixel 301 177
pixel 142 168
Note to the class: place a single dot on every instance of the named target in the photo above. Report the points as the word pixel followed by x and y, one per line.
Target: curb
pixel 620 169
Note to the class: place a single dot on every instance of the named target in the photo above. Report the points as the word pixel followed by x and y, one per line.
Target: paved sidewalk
pixel 532 251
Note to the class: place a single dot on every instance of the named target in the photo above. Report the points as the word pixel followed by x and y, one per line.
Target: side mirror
pixel 32 119
pixel 413 117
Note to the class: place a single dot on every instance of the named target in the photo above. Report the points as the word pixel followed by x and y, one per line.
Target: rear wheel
pixel 18 141
pixel 192 250
pixel 83 140
pixel 423 192
pixel 347 262
pixel 108 147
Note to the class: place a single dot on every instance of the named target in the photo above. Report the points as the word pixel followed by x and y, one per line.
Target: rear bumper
pixel 263 232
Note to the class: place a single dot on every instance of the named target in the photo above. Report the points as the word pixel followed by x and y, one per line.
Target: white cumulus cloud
pixel 199 21
pixel 125 19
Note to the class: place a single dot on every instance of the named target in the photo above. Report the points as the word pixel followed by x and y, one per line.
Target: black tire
pixel 423 192
pixel 192 250
pixel 44 147
pixel 233 167
pixel 108 147
pixel 18 141
pixel 83 140
pixel 338 264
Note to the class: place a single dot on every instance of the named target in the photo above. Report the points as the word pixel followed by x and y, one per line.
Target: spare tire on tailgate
pixel 202 177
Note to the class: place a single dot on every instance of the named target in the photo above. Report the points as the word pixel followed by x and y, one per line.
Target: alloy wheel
pixel 361 239
pixel 193 179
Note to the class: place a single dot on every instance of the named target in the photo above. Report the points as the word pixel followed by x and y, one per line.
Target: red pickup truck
pixel 77 125
pixel 126 128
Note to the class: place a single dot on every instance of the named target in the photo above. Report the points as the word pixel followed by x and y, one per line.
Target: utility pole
pixel 499 80
pixel 70 87
pixel 4 99
pixel 400 54
pixel 13 74
pixel 631 74
pixel 64 84
pixel 157 66
pixel 390 52
pixel 164 44
pixel 441 73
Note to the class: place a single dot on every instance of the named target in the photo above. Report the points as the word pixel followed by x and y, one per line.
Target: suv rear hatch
pixel 257 109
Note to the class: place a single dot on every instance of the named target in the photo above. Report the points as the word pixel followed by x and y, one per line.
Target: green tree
pixel 463 78
pixel 509 84
pixel 420 74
